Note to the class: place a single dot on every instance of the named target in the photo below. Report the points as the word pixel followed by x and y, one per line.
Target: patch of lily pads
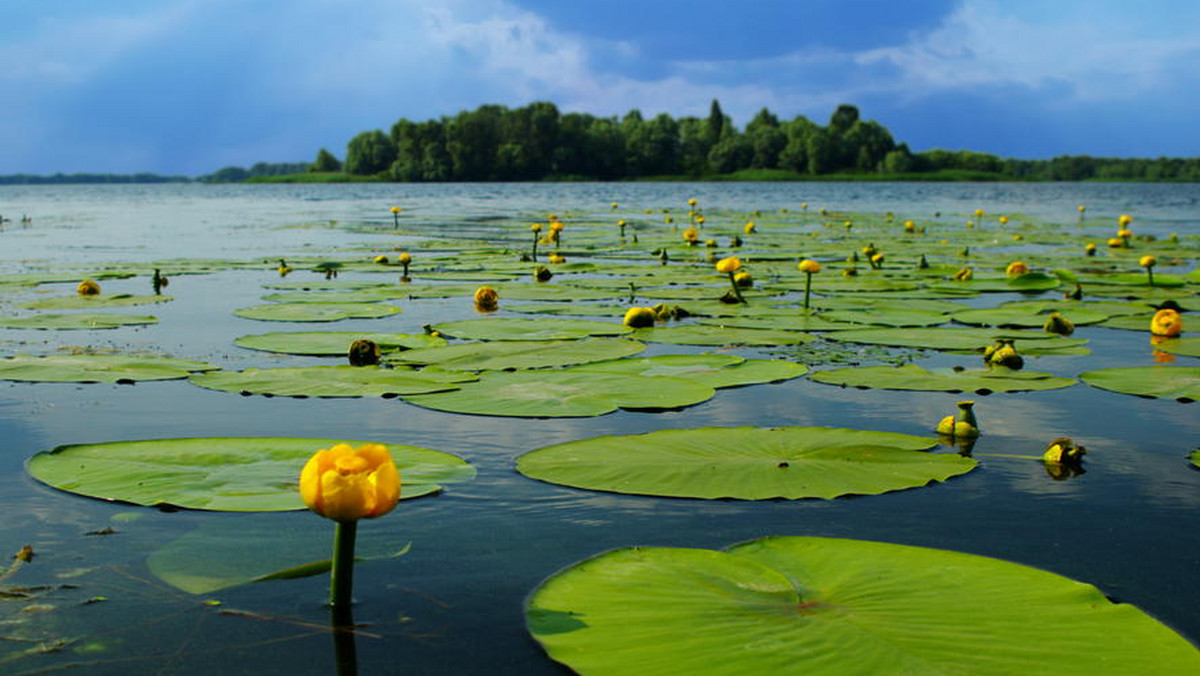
pixel 501 355
pixel 98 368
pixel 237 474
pixel 746 463
pixel 918 378
pixel 330 381
pixel 963 339
pixel 520 328
pixel 80 302
pixel 316 312
pixel 813 605
pixel 76 321
pixel 333 343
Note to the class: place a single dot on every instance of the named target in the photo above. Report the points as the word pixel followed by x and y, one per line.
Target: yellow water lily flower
pixel 1063 451
pixel 1147 261
pixel 1166 322
pixel 1016 269
pixel 344 483
pixel 639 317
pixel 1081 208
pixel 964 275
pixel 381 259
pixel 909 226
pixel 808 266
pixel 556 258
pixel 486 298
pixel 396 210
pixel 536 227
pixel 731 264
pixel 1003 220
pixel 556 226
pixel 1124 220
pixel 691 236
pixel 1090 249
pixel 749 227
pixel 692 202
pixel 1124 233
pixel 743 279
pixel 88 287
pixel 405 258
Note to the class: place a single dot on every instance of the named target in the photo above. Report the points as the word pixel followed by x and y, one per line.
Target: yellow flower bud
pixel 731 264
pixel 749 227
pixel 486 298
pixel 743 279
pixel 88 287
pixel 404 258
pixel 1125 220
pixel 396 210
pixel 639 317
pixel 344 483
pixel 1016 269
pixel 556 258
pixel 1124 233
pixel 809 266
pixel 381 259
pixel 536 227
pixel 1147 261
pixel 1166 322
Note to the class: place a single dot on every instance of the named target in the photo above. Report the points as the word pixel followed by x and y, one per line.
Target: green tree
pixel 325 162
pixel 369 153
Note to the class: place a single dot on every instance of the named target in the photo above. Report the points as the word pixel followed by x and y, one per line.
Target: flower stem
pixel 1150 274
pixel 341 576
pixel 736 291
pixel 807 287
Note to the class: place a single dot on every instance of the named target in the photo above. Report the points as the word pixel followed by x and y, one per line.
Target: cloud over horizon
pixel 187 86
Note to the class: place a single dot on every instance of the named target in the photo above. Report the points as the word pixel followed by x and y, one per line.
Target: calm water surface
pixel 453 604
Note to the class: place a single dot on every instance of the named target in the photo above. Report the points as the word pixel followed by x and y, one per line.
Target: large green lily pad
pixel 1162 382
pixel 747 463
pixel 316 312
pixel 713 335
pixel 78 302
pixel 564 393
pixel 963 340
pixel 342 380
pixel 97 368
pixel 78 321
pixel 808 605
pixel 520 328
pixel 714 370
pixel 520 354
pixel 236 474
pixel 1189 347
pixel 333 343
pixel 1023 317
pixel 914 377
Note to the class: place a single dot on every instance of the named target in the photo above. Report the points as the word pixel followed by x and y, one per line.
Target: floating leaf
pixel 97 368
pixel 342 380
pixel 914 377
pixel 333 343
pixel 747 463
pixel 714 370
pixel 214 556
pixel 520 354
pixel 1023 317
pixel 564 393
pixel 1162 382
pixel 316 312
pixel 785 605
pixel 76 321
pixel 518 328
pixel 1189 347
pixel 694 334
pixel 236 474
pixel 78 302
pixel 962 340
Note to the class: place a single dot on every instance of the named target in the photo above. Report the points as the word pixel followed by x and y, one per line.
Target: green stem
pixel 535 240
pixel 1150 273
pixel 807 287
pixel 341 577
pixel 736 291
pixel 395 220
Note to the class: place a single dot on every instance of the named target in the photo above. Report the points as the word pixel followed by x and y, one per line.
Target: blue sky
pixel 189 86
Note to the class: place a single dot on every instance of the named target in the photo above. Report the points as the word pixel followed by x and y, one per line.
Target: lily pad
pixel 963 340
pixel 694 334
pixel 519 328
pixel 786 605
pixel 1023 317
pixel 97 368
pixel 564 393
pixel 78 302
pixel 519 354
pixel 76 321
pixel 746 463
pixel 1188 347
pixel 214 556
pixel 316 312
pixel 1181 383
pixel 714 370
pixel 342 380
pixel 235 474
pixel 333 343
pixel 914 377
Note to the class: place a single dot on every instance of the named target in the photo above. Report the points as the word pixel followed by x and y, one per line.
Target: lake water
pixel 454 602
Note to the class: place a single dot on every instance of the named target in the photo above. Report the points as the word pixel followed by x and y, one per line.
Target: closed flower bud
pixel 344 483
pixel 639 317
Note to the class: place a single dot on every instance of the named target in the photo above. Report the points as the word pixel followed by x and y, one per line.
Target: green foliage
pixel 325 163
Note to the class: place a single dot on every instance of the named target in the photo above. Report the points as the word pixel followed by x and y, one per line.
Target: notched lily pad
pixel 237 474
pixel 747 463
pixel 330 381
pixel 787 605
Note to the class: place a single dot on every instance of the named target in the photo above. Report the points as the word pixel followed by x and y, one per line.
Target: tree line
pixel 537 142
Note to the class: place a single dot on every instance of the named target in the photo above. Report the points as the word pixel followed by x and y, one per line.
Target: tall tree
pixel 369 153
pixel 325 162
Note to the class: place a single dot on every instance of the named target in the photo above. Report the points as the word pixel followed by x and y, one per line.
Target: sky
pixel 190 86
